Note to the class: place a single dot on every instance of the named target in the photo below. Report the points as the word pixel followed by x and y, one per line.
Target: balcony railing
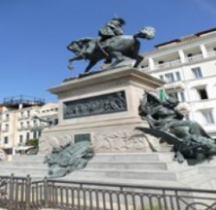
pixel 211 53
pixel 168 64
pixel 194 58
pixel 24 117
pixel 21 128
pixel 37 127
pixel 174 63
pixel 5 130
pixel 5 119
pixel 175 85
pixel 146 69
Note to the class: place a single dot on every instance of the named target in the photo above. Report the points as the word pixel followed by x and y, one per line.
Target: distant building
pixel 188 65
pixel 17 123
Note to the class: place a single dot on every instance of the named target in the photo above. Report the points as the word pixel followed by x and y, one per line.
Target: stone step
pixel 39 176
pixel 8 169
pixel 107 157
pixel 143 165
pixel 136 174
pixel 22 164
pixel 23 170
pixel 207 170
pixel 28 158
pixel 195 182
pixel 117 181
pixel 127 165
pixel 200 181
pixel 144 157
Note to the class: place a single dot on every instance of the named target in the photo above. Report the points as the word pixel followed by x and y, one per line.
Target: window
pixel 197 72
pixel 28 124
pixel 6 127
pixel 178 95
pixel 178 76
pixel 7 116
pixel 173 95
pixel 27 136
pixel 21 125
pixel 35 122
pixel 39 133
pixel 6 140
pixel 21 139
pixel 182 96
pixel 208 116
pixel 35 134
pixel 169 77
pixel 202 93
pixel 28 113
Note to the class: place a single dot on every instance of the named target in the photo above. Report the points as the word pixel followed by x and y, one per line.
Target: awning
pixel 23 147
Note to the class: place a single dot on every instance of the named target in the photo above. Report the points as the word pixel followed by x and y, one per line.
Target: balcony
pixel 24 117
pixel 194 58
pixel 175 63
pixel 21 128
pixel 37 127
pixel 5 119
pixel 183 107
pixel 167 64
pixel 211 53
pixel 174 85
pixel 5 130
pixel 145 70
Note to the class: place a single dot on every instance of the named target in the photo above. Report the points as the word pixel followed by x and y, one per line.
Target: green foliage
pixel 155 207
pixel 32 142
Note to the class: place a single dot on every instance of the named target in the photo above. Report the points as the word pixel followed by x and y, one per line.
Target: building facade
pixel 18 123
pixel 188 65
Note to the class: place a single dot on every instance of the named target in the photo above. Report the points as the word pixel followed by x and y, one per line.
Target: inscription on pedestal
pixel 103 104
pixel 82 137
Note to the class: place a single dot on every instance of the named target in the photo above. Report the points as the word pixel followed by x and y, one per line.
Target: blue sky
pixel 34 34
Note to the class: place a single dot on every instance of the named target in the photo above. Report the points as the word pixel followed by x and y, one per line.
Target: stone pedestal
pixel 101 107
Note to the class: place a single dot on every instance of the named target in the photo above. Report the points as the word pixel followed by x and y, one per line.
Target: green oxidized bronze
pixel 68 158
pixel 111 44
pixel 190 141
pixel 50 122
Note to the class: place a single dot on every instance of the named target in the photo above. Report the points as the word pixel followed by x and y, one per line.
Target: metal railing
pixel 22 193
pixel 21 99
pixel 14 192
pixel 167 64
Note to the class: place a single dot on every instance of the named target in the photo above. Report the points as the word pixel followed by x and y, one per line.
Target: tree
pixel 32 142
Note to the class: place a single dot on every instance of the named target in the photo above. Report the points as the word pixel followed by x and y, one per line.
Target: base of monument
pixel 101 107
pixel 147 169
pixel 114 137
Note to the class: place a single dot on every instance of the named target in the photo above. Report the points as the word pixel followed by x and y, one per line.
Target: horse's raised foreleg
pixel 73 59
pixel 90 65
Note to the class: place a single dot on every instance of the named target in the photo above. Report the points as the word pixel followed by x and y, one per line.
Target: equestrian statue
pixel 111 44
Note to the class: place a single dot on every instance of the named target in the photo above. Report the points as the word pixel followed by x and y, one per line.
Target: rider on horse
pixel 109 30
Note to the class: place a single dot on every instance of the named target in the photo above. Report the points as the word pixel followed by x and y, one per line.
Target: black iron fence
pixel 18 193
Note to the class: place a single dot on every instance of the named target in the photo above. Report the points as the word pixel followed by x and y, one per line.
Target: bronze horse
pixel 117 47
